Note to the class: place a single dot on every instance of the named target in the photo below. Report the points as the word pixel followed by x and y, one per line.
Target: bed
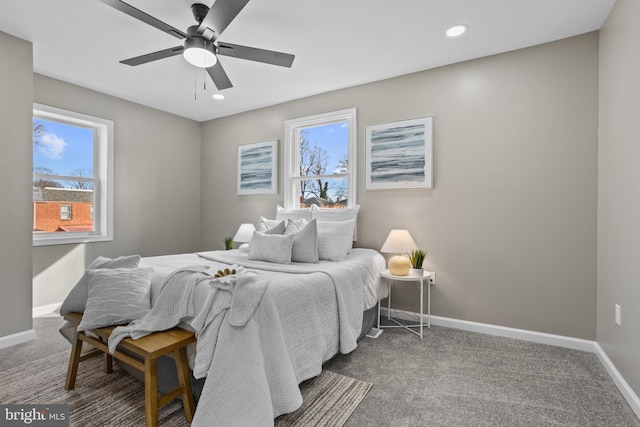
pixel 262 330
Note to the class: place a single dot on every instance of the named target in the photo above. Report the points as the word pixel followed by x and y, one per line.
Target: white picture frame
pixel 399 155
pixel 258 168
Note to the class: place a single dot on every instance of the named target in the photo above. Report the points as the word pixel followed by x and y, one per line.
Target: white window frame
pixel 68 213
pixel 292 154
pixel 102 173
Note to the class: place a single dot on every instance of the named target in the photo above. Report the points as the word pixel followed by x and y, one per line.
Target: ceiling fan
pixel 201 47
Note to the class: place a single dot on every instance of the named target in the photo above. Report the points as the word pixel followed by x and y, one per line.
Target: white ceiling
pixel 337 44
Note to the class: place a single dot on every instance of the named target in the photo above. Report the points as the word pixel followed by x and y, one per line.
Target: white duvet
pixel 298 322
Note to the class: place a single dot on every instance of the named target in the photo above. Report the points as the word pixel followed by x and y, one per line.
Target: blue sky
pixel 63 148
pixel 333 138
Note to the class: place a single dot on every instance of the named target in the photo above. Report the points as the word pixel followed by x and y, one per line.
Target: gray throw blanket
pixel 250 379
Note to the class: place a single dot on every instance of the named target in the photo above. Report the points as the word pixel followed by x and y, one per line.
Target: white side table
pixel 409 278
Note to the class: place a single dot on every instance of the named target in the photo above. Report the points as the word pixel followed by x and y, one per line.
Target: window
pixel 65 211
pixel 320 160
pixel 72 177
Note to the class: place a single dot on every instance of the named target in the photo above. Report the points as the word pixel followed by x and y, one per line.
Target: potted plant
pixel 228 243
pixel 417 257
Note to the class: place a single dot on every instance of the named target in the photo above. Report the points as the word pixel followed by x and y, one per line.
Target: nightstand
pixel 420 280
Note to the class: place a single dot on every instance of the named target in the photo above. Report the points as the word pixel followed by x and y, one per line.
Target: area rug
pixel 117 399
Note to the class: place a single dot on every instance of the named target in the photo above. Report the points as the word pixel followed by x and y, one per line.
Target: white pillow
pixel 277 229
pixel 339 214
pixel 282 213
pixel 295 225
pixel 76 301
pixel 271 247
pixel 335 239
pixel 116 296
pixel 265 224
pixel 305 244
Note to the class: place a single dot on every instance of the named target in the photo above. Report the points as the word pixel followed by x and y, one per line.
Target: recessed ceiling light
pixel 457 30
pixel 218 96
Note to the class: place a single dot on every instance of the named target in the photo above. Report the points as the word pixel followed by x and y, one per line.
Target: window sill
pixel 48 240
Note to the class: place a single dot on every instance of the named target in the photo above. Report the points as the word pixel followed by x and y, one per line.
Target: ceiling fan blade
pixel 220 16
pixel 219 76
pixel 255 54
pixel 146 18
pixel 143 59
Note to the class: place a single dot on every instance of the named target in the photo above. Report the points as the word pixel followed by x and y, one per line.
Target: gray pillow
pixel 264 224
pixel 271 247
pixel 77 298
pixel 305 244
pixel 276 229
pixel 116 296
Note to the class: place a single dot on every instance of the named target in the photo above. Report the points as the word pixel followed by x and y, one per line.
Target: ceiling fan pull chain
pixel 195 87
pixel 204 78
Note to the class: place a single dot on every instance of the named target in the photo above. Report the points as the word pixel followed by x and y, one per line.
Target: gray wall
pixel 619 190
pixel 16 94
pixel 157 187
pixel 510 226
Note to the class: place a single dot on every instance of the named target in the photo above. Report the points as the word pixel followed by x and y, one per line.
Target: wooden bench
pixel 171 343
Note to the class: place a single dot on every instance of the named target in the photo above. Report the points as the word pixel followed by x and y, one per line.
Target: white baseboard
pixel 18 338
pixel 532 336
pixel 631 398
pixel 501 331
pixel 46 309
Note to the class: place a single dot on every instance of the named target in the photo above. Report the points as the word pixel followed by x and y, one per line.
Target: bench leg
pixel 108 363
pixel 185 382
pixel 74 360
pixel 151 392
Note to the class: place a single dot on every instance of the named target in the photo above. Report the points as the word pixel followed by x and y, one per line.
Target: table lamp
pixel 244 235
pixel 399 242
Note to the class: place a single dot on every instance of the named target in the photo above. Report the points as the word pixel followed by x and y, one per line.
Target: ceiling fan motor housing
pixel 199 11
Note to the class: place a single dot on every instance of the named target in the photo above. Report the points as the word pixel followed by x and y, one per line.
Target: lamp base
pixel 399 265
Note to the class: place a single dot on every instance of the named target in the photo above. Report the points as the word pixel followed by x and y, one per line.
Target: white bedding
pixel 318 312
pixel 356 257
pixel 311 331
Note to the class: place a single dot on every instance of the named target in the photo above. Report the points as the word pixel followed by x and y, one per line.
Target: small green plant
pixel 228 243
pixel 417 258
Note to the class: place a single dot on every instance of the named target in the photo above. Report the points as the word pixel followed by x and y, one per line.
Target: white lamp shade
pixel 398 242
pixel 244 233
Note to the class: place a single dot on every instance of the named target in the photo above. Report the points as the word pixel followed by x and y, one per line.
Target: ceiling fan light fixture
pixel 199 52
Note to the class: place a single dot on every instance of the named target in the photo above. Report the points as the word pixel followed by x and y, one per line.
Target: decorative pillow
pixel 295 225
pixel 271 248
pixel 276 229
pixel 329 214
pixel 282 213
pixel 116 296
pixel 77 298
pixel 265 224
pixel 305 244
pixel 335 239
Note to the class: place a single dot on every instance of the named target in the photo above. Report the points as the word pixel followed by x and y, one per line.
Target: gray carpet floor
pixel 449 378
